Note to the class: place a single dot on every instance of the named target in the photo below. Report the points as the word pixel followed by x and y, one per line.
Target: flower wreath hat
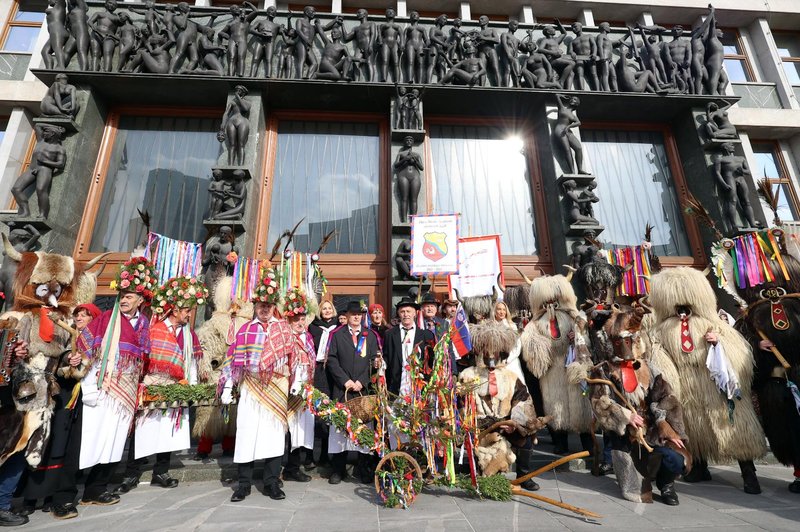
pixel 296 302
pixel 267 291
pixel 179 292
pixel 137 275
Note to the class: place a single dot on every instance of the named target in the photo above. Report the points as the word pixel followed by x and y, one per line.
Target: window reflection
pixel 327 172
pixel 163 165
pixel 635 186
pixel 768 166
pixel 482 173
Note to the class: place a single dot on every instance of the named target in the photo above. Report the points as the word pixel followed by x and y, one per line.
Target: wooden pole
pixel 516 490
pixel 548 467
pixel 775 351
pixel 628 405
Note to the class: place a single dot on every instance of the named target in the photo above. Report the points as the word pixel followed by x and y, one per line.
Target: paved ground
pixel 205 505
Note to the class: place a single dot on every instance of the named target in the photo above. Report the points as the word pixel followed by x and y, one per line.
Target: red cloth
pixel 492 384
pixel 376 306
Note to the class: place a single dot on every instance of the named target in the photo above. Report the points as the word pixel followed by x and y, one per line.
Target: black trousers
pixel 295 458
pixel 66 488
pixel 272 468
pixel 97 480
pixel 134 468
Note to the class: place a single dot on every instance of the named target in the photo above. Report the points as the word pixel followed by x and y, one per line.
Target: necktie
pixel 405 333
pixel 354 335
pixel 687 344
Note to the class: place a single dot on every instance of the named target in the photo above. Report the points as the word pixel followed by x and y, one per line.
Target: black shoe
pixel 28 507
pixel 240 494
pixel 336 478
pixel 275 492
pixel 751 484
pixel 227 453
pixel 66 511
pixel 128 483
pixel 605 469
pixel 297 476
pixel 280 483
pixel 104 499
pixel 794 487
pixel 9 518
pixel 668 495
pixel 309 465
pixel 699 473
pixel 530 485
pixel 46 506
pixel 164 480
pixel 199 457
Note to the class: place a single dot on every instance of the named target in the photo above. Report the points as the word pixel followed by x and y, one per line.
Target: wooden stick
pixel 548 467
pixel 515 490
pixel 775 351
pixel 73 333
pixel 628 405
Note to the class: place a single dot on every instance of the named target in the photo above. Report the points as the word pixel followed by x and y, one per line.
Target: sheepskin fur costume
pixel 711 435
pixel 552 298
pixel 213 335
pixel 510 402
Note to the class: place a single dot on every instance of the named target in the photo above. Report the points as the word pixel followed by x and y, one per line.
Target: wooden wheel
pixel 398 478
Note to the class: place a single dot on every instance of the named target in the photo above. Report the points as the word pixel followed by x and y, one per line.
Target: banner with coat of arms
pixel 434 244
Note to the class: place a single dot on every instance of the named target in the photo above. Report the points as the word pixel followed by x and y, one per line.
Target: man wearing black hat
pixel 352 352
pixel 400 342
pixel 429 307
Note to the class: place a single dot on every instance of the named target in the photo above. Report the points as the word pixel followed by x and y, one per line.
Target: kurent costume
pixel 624 351
pixel 773 310
pixel 351 355
pixel 547 350
pixel 263 361
pixel 216 335
pixel 115 346
pixel 500 396
pixel 175 353
pixel 712 382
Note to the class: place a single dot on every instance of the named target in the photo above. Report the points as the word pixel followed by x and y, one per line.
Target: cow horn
pixel 499 285
pixel 707 270
pixel 570 272
pixel 494 293
pixel 523 275
pixel 91 264
pixel 11 253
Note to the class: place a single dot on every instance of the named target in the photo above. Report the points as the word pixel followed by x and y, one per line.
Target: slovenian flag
pixel 459 333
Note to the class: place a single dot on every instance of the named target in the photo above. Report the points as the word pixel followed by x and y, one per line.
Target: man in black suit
pixel 400 341
pixel 352 353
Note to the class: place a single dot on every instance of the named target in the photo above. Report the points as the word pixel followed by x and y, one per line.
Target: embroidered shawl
pixel 167 356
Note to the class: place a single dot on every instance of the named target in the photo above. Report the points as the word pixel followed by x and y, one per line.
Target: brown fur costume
pixel 511 402
pixel 553 297
pixel 711 435
pixel 42 279
pixel 213 334
pixel 652 399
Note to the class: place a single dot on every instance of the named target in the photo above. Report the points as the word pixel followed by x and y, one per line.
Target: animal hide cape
pixel 705 409
pixel 546 356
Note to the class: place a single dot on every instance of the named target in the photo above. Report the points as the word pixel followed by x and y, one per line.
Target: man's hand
pixel 21 350
pixel 349 385
pixel 74 359
pixel 636 420
pixel 357 386
pixel 711 338
pixel 678 443
pixel 765 345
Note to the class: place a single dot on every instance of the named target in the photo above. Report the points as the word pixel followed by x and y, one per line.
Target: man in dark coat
pixel 429 307
pixel 352 353
pixel 400 341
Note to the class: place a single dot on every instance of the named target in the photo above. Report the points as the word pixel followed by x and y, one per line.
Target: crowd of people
pixel 554 360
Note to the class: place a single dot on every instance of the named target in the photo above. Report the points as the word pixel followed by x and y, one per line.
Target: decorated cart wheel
pixel 417 453
pixel 398 479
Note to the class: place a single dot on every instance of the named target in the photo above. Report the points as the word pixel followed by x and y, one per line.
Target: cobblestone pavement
pixel 205 505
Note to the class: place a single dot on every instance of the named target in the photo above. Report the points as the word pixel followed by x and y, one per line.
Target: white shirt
pixel 407 339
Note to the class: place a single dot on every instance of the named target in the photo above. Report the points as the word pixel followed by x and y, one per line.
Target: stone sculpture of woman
pixel 56 18
pixel 718 125
pixel 235 128
pixel 563 135
pixel 407 166
pixel 61 100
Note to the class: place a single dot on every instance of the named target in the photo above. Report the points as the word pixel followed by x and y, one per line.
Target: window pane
pixel 735 69
pixel 785 208
pixel 482 173
pixel 788 44
pixel 162 164
pixel 20 39
pixel 635 186
pixel 792 72
pixel 730 42
pixel 766 161
pixel 29 16
pixel 327 172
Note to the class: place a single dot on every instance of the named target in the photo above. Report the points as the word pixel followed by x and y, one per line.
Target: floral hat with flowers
pixel 266 291
pixel 179 292
pixel 137 275
pixel 295 303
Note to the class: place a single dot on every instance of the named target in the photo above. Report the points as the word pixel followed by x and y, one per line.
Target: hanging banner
pixel 480 263
pixel 434 244
pixel 174 258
